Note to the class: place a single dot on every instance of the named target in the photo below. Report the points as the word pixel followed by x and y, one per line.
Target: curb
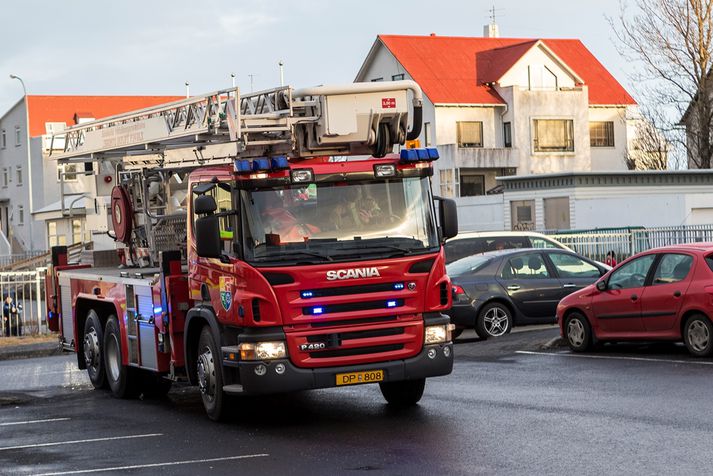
pixel 30 351
pixel 554 342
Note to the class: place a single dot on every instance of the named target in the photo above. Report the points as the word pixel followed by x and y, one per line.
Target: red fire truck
pixel 265 243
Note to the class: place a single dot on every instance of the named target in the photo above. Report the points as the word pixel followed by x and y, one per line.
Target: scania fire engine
pixel 265 243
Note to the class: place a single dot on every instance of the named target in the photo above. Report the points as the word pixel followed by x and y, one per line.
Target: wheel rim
pixel 206 374
pixel 575 332
pixel 495 321
pixel 113 357
pixel 91 350
pixel 698 336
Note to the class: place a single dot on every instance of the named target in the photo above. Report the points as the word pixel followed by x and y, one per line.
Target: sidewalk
pixel 28 346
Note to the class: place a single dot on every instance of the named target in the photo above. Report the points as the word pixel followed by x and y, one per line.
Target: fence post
pixel 632 242
pixel 38 300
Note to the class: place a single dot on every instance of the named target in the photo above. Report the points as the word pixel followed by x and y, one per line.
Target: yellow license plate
pixel 354 378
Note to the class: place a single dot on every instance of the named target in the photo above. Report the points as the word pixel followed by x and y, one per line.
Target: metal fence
pixel 23 303
pixel 624 242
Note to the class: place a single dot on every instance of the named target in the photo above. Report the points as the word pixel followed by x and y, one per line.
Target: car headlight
pixel 262 350
pixel 437 334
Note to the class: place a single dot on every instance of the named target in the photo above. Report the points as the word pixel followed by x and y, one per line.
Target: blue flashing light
pixel 243 166
pixel 391 303
pixel 409 155
pixel 157 310
pixel 432 153
pixel 261 163
pixel 306 294
pixel 422 154
pixel 280 162
pixel 398 286
pixel 317 310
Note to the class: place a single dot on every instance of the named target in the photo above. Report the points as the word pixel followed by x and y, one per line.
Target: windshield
pixel 338 221
pixel 467 265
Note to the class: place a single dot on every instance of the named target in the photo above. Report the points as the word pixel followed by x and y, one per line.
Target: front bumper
pixel 295 378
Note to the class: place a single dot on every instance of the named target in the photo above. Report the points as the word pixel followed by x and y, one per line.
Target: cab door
pixel 661 301
pixel 617 310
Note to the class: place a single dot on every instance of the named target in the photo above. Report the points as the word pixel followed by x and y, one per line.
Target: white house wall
pixel 537 57
pixel 611 158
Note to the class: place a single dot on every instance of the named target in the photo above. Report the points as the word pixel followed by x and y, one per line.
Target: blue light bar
pixel 422 154
pixel 391 303
pixel 261 163
pixel 317 310
pixel 157 310
pixel 243 166
pixel 398 286
pixel 306 294
pixel 432 153
pixel 409 155
pixel 280 162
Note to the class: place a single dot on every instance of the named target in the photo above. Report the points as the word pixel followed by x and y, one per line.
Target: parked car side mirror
pixel 602 285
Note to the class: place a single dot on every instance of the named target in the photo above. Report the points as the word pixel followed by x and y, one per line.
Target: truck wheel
pixel 122 379
pixel 93 344
pixel 404 393
pixel 210 375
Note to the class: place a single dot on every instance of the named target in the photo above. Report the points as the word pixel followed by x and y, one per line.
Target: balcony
pixel 479 157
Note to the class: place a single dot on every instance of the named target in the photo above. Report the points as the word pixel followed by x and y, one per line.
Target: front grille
pixel 344 290
pixel 352 306
pixel 351 322
pixel 376 349
pixel 390 331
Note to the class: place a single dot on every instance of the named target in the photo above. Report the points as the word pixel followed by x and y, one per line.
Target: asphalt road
pixel 508 408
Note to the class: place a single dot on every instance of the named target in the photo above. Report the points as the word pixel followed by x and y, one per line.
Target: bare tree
pixel 650 147
pixel 673 40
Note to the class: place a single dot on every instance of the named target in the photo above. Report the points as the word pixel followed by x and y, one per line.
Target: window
pixel 507 134
pixel 397 77
pixel 17 136
pixel 3 139
pixel 601 134
pixel 522 214
pixel 20 215
pixel 632 274
pixel 569 266
pixel 554 135
pixel 470 134
pixel 4 177
pixel 427 134
pixel 538 242
pixel 527 266
pixel 376 80
pixel 70 172
pixel 52 236
pixel 447 182
pixel 77 231
pixel 223 195
pixel 672 268
pixel 19 175
pixel 471 183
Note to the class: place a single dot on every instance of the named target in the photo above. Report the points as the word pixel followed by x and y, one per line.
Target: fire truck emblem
pixel 226 292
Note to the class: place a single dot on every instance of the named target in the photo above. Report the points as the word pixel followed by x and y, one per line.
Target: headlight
pixel 437 334
pixel 262 350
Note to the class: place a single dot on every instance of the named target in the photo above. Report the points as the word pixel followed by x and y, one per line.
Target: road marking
pixel 33 421
pixel 155 465
pixel 91 440
pixel 614 357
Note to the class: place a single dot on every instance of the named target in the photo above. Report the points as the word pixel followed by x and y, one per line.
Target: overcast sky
pixel 155 46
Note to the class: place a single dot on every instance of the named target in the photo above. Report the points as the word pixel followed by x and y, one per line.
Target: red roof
pixel 454 69
pixel 68 108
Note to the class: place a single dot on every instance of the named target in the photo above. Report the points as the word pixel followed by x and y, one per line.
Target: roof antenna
pixel 491 29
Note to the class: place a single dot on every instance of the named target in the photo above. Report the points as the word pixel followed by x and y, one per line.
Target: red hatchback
pixel 660 294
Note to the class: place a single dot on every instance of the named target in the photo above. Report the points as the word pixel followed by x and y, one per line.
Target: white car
pixel 474 242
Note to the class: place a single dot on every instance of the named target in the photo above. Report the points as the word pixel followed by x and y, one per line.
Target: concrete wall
pixel 611 158
pixel 484 213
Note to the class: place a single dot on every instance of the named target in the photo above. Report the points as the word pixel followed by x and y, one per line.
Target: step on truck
pixel 265 243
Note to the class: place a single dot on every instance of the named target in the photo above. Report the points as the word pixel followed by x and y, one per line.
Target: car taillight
pixel 459 294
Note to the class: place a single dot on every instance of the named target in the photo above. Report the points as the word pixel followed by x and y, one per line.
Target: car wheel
pixel 455 333
pixel 578 332
pixel 494 320
pixel 92 346
pixel 698 335
pixel 404 393
pixel 123 380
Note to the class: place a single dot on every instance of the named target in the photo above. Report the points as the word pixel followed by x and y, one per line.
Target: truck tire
pixel 92 347
pixel 123 380
pixel 210 375
pixel 404 393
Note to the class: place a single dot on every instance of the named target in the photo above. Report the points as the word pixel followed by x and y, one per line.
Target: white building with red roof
pixel 44 221
pixel 506 106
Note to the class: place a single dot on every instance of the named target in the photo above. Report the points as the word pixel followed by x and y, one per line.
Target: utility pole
pixel 252 76
pixel 232 77
pixel 29 158
pixel 188 89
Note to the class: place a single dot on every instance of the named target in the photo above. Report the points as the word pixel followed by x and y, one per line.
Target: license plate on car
pixel 354 378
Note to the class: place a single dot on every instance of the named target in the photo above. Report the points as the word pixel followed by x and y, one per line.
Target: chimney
pixel 491 31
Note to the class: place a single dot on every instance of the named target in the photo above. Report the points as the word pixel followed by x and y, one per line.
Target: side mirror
pixel 449 217
pixel 207 236
pixel 602 285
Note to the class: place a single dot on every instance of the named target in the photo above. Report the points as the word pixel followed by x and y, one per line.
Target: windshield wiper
pixel 287 254
pixel 402 251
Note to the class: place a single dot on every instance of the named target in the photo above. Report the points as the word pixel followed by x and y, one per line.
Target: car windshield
pixel 338 221
pixel 467 265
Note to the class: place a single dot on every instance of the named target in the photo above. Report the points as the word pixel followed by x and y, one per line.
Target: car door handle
pixel 634 297
pixel 677 294
pixel 569 285
pixel 513 287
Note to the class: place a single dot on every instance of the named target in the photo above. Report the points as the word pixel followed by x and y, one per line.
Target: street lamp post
pixel 29 157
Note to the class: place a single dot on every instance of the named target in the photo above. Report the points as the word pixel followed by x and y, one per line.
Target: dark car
pixel 660 294
pixel 494 291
